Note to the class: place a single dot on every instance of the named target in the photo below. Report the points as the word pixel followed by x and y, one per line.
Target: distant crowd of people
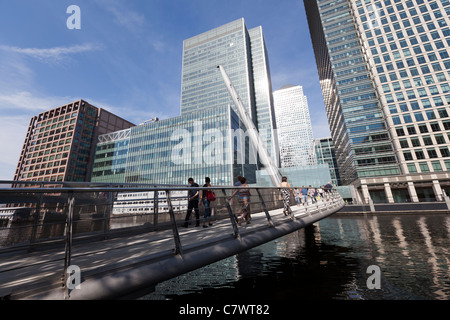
pixel 303 196
pixel 307 195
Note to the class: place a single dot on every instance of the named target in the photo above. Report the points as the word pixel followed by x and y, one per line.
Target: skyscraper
pixel 213 141
pixel 60 143
pixel 243 55
pixel 295 133
pixel 384 71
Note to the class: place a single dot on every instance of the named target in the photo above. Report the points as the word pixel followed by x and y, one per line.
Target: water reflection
pixel 329 260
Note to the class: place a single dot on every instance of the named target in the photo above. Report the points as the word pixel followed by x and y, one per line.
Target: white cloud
pixel 51 54
pixel 26 101
pixel 123 15
pixel 12 131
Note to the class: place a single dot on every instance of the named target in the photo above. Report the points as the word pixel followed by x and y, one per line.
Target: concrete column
pixel 412 192
pixel 437 190
pixel 388 191
pixel 356 195
pixel 365 192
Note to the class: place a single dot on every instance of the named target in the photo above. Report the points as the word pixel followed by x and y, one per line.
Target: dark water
pixel 330 260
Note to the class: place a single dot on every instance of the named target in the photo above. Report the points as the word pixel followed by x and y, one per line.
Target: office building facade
pixel 243 55
pixel 60 143
pixel 384 72
pixel 295 135
pixel 325 154
pixel 197 144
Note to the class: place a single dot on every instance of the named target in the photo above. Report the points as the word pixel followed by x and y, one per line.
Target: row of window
pixel 419 116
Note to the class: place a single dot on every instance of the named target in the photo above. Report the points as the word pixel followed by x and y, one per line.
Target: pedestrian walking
pixel 320 192
pixel 205 200
pixel 244 200
pixel 304 193
pixel 297 196
pixel 193 197
pixel 286 192
pixel 311 194
pixel 328 190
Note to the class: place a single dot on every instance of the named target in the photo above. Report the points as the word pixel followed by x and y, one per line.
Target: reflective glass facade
pixel 294 131
pixel 325 153
pixel 243 55
pixel 198 145
pixel 384 71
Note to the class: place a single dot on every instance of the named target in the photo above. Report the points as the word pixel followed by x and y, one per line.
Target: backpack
pixel 210 196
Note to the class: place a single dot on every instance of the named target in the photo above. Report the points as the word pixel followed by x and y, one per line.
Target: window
pixel 427 140
pixel 418 116
pixel 407 118
pixel 423 128
pixel 439 139
pixel 408 156
pixel 430 115
pixel 415 142
pixel 444 152
pixel 420 155
pixel 404 143
pixel 436 166
pixel 400 132
pixel 432 153
pixel 442 113
pixel 424 167
pixel 435 127
pixel 412 168
pixel 438 101
pixel 411 130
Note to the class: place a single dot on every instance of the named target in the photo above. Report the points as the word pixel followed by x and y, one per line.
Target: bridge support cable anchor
pixel 232 216
pixel 176 235
pixel 68 240
pixel 269 218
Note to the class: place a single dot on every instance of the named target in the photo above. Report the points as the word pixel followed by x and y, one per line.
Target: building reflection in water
pixel 329 260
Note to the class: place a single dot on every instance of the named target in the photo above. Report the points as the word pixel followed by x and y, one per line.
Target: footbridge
pixel 93 241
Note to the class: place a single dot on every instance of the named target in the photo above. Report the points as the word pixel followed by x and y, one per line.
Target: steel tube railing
pixel 75 198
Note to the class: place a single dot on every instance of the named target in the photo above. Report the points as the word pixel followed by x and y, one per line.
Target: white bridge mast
pixel 253 134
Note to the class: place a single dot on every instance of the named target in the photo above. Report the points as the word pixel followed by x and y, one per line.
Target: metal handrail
pixel 67 199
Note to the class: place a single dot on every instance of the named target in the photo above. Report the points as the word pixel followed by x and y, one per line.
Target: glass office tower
pixel 384 71
pixel 243 55
pixel 295 133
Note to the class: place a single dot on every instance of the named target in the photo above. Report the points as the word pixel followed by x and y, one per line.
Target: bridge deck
pixel 110 268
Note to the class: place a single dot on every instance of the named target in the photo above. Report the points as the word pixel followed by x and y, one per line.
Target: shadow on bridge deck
pixel 116 268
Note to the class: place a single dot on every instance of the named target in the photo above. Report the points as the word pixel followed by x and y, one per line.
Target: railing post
pixel 68 239
pixel 155 208
pixel 232 217
pixel 269 218
pixel 36 219
pixel 108 213
pixel 176 235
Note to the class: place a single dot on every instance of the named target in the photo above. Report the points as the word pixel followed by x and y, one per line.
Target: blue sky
pixel 127 57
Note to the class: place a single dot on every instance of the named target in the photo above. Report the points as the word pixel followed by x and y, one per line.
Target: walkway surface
pixel 121 262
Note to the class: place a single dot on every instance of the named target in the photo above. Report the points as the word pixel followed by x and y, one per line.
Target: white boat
pixel 132 203
pixel 15 213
